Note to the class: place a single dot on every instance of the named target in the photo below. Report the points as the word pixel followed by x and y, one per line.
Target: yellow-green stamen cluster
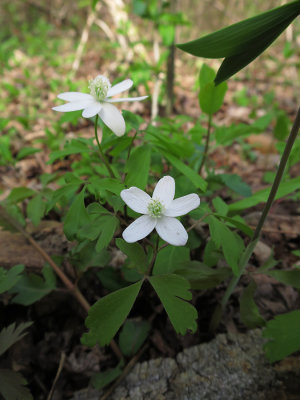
pixel 155 208
pixel 99 87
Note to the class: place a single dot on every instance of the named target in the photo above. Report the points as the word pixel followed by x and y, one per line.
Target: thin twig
pixel 60 367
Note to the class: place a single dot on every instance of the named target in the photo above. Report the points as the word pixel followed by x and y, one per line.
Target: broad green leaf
pixel 12 386
pixel 109 224
pixel 111 279
pixel 224 237
pixel 211 254
pixel 12 334
pixel 241 36
pixel 101 379
pixel 242 42
pixel 173 290
pixel 76 146
pixel 110 184
pixel 137 167
pixel 235 183
pixel 26 151
pixel 220 206
pixel 188 172
pixel 32 287
pixel 170 259
pixel 36 209
pixel 201 276
pixel 135 253
pixel 211 97
pixel 65 191
pixel 20 194
pixel 281 129
pixel 290 277
pixel 107 315
pixel 249 312
pixel 132 336
pixel 8 278
pixel 283 334
pixel 235 221
pixel 76 216
pixel 8 215
pixel 206 75
pixel 261 196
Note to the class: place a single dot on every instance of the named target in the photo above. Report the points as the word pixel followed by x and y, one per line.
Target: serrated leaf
pixel 65 191
pixel 135 253
pixel 173 290
pixel 249 312
pixel 132 336
pixel 192 175
pixel 137 167
pixel 12 386
pixel 12 334
pixel 36 209
pixel 107 315
pixel 170 259
pixel 32 287
pixel 76 216
pixel 8 278
pixel 283 334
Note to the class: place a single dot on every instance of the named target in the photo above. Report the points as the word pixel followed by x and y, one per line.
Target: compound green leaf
pixel 283 334
pixel 132 336
pixel 107 315
pixel 173 290
pixel 249 312
pixel 8 278
pixel 12 386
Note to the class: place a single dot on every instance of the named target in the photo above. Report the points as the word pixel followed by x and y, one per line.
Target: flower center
pixel 155 208
pixel 99 87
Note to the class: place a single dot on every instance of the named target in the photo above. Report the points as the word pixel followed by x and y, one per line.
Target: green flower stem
pixel 206 143
pixel 249 249
pixel 102 155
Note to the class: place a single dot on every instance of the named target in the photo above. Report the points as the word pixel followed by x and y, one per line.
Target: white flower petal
pixel 112 117
pixel 119 87
pixel 75 96
pixel 182 205
pixel 164 190
pixel 139 229
pixel 136 199
pixel 92 110
pixel 126 99
pixel 74 106
pixel 172 231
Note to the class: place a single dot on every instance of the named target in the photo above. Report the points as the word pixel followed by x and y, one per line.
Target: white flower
pixel 98 102
pixel 159 212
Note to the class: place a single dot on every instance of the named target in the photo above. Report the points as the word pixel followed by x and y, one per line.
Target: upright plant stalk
pixel 249 249
pixel 102 155
pixel 206 143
